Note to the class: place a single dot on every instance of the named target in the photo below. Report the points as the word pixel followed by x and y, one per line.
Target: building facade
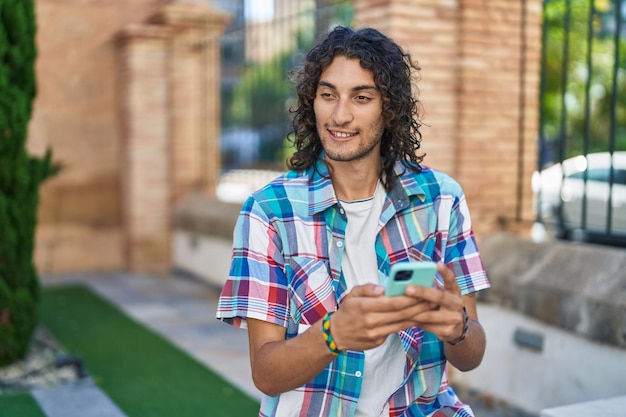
pixel 129 102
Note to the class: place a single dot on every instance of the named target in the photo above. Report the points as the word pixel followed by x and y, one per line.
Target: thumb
pixel 367 290
pixel 449 279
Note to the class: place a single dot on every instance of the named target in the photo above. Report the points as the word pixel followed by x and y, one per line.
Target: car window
pixel 602 175
pixel 595 174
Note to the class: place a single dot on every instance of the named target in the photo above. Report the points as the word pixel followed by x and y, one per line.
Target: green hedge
pixel 20 178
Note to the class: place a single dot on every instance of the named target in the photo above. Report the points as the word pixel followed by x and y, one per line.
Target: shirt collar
pixel 321 191
pixel 405 186
pixel 322 194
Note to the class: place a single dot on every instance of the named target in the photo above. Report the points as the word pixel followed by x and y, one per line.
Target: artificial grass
pixel 19 405
pixel 144 374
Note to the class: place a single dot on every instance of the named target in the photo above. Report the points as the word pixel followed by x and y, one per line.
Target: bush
pixel 20 178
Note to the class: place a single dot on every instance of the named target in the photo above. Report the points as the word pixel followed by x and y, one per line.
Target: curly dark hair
pixel 392 70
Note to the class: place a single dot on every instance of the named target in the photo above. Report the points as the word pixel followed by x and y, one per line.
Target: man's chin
pixel 348 157
pixel 343 158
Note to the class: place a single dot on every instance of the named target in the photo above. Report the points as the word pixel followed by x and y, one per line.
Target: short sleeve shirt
pixel 286 269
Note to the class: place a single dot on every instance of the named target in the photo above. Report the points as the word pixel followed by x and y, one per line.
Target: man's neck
pixel 355 180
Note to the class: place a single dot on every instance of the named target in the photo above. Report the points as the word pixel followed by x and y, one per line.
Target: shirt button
pixel 357 374
pixel 339 243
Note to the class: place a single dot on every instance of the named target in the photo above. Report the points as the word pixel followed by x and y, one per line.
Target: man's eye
pixel 363 99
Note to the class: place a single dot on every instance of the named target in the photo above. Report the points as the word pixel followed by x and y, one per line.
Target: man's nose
pixel 342 113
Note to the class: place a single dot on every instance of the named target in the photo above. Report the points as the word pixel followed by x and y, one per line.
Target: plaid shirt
pixel 286 269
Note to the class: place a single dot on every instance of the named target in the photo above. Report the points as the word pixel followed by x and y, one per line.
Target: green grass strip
pixel 19 405
pixel 144 374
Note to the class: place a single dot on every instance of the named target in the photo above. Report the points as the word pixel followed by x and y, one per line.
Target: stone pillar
pixel 500 44
pixel 195 94
pixel 146 173
pixel 170 105
pixel 479 87
pixel 428 30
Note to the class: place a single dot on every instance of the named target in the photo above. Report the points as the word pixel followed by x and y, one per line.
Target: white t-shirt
pixel 384 365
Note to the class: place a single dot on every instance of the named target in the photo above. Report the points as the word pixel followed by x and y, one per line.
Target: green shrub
pixel 20 178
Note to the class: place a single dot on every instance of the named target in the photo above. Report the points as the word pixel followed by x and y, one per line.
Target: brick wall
pixel 136 122
pixel 171 124
pixel 127 102
pixel 428 31
pixel 194 74
pixel 76 114
pixel 145 101
pixel 498 108
pixel 476 122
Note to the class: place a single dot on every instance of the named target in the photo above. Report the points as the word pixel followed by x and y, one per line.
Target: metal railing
pixel 581 184
pixel 258 50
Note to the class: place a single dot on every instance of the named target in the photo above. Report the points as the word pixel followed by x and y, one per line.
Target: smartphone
pixel 410 273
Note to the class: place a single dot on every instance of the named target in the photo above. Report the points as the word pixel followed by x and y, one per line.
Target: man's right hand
pixel 366 317
pixel 363 321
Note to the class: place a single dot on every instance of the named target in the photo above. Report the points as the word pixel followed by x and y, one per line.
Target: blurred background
pixel 165 115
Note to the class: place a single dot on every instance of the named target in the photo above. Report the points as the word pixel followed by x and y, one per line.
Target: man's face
pixel 348 111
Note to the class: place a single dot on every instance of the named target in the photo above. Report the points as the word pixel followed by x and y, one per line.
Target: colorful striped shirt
pixel 286 269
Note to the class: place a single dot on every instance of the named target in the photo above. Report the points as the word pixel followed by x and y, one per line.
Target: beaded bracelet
pixel 465 329
pixel 328 338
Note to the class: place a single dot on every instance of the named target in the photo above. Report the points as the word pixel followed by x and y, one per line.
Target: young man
pixel 313 249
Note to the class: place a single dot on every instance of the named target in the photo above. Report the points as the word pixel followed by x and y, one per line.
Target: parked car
pixel 559 192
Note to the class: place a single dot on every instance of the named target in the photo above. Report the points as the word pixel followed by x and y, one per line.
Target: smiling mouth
pixel 342 135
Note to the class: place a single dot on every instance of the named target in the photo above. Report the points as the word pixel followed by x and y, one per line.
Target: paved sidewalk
pixel 179 308
pixel 81 400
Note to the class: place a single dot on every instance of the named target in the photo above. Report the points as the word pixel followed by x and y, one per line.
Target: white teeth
pixel 342 135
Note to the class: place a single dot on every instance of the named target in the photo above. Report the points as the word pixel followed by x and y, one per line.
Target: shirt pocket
pixel 429 249
pixel 311 290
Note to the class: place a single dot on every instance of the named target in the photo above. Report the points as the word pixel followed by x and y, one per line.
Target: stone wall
pixel 576 287
pixel 555 315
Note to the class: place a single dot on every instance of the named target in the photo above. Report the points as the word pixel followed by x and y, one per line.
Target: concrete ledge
pixel 204 215
pixel 203 256
pixel 577 287
pixel 612 407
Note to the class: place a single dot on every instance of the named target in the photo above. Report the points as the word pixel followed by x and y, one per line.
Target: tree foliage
pixel 20 178
pixel 261 98
pixel 583 109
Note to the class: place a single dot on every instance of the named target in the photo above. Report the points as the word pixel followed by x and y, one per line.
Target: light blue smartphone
pixel 410 273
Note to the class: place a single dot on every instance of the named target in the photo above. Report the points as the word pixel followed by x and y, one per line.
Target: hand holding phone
pixel 410 273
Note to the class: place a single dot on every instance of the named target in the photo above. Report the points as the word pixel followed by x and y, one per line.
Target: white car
pixel 560 189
